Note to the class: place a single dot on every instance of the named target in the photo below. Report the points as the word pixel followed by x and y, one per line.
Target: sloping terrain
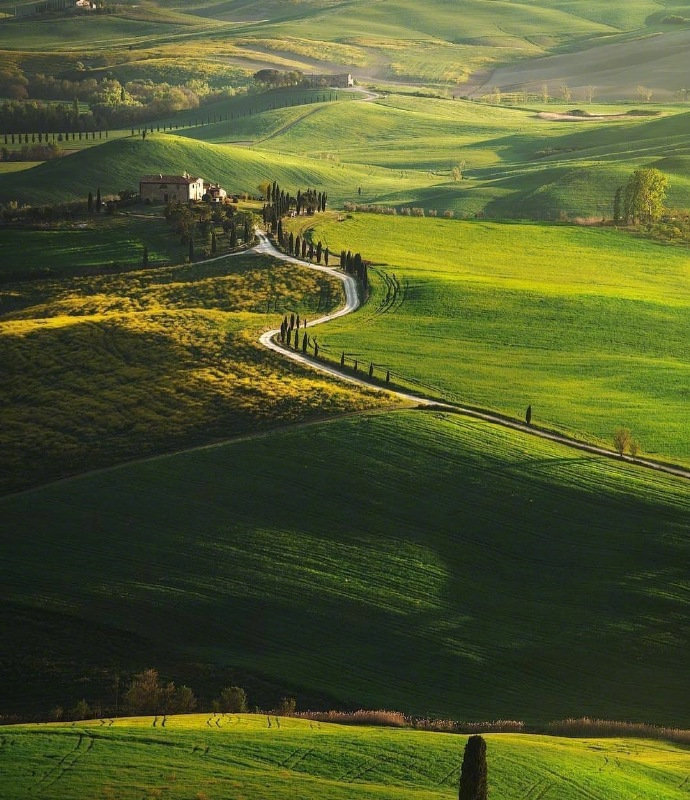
pixel 266 758
pixel 407 560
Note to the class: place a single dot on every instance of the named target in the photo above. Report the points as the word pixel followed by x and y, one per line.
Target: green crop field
pixel 243 756
pixel 588 325
pixel 409 560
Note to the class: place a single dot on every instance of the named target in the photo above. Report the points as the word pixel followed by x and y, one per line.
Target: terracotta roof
pixel 176 179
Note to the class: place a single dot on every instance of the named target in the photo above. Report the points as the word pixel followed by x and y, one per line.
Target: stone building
pixel 170 188
pixel 343 81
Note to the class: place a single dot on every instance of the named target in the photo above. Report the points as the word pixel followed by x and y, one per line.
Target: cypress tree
pixel 89 203
pixel 247 232
pixel 292 321
pixel 191 249
pixel 297 321
pixel 473 783
pixel 342 360
pixel 305 341
pixel 304 248
pixel 371 370
pixel 289 336
pixel 291 243
pixel 356 365
pixel 280 231
pixel 298 246
pixel 326 253
pixel 388 376
pixel 98 200
pixel 528 415
pixel 213 242
pixel 145 257
pixel 319 253
pixel 316 350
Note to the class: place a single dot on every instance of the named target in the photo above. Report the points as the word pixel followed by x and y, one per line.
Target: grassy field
pixel 110 367
pixel 87 246
pixel 243 757
pixel 119 164
pixel 520 579
pixel 588 325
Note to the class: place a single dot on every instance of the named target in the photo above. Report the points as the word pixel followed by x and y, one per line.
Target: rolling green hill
pixel 409 560
pixel 398 150
pixel 119 164
pixel 588 325
pixel 241 756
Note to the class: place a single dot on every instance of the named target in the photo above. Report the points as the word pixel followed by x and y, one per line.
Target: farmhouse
pixel 343 81
pixel 215 192
pixel 166 188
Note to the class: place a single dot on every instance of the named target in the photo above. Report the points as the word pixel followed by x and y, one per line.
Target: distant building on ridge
pixel 342 81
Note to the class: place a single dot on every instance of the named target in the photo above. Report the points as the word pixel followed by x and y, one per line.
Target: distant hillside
pixel 118 165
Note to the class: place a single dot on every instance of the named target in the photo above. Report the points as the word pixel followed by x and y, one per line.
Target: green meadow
pixel 243 756
pixel 106 242
pixel 587 325
pixel 409 560
pixel 119 165
pixel 398 150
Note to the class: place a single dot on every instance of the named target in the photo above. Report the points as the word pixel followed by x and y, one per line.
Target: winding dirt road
pixel 352 303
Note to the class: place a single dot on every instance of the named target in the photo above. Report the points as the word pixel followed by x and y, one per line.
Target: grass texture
pixel 408 560
pixel 244 756
pixel 587 325
pixel 104 368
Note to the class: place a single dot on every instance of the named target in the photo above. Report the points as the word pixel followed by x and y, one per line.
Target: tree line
pixel 147 695
pixel 194 222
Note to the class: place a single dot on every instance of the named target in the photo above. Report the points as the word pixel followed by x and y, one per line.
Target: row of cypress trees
pixel 354 265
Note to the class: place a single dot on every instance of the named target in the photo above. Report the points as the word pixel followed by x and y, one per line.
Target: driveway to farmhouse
pixel 352 303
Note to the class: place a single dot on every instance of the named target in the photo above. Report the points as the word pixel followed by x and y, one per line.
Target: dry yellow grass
pixel 109 368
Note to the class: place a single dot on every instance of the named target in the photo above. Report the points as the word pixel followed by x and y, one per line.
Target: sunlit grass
pixel 589 326
pixel 112 367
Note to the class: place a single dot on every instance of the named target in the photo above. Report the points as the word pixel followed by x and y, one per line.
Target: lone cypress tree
pixel 473 784
pixel 528 415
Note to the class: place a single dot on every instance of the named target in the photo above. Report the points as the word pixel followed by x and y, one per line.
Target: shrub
pixel 392 719
pixel 232 700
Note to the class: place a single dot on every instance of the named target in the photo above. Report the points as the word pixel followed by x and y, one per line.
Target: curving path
pixel 352 303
